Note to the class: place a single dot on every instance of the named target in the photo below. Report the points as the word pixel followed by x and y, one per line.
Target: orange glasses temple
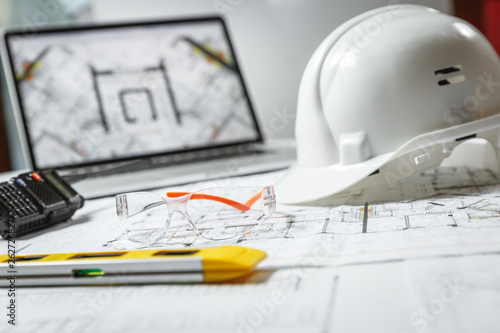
pixel 239 206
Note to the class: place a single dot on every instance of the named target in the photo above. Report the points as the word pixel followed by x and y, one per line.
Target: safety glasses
pixel 214 213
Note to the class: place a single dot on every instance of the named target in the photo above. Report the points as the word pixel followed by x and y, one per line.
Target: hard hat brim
pixel 307 184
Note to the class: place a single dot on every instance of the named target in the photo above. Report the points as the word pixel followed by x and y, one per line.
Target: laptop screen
pixel 116 92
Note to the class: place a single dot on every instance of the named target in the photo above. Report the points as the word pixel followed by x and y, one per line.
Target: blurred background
pixel 273 40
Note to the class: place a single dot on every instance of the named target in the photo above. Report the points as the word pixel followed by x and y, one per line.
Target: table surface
pixel 426 265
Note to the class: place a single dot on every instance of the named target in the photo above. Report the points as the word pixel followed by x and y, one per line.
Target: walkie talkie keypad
pixel 34 201
pixel 16 201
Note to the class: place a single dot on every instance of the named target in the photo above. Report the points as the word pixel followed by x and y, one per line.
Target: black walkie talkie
pixel 35 200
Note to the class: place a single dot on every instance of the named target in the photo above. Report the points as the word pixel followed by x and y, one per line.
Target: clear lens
pixel 214 214
pixel 147 227
pixel 222 213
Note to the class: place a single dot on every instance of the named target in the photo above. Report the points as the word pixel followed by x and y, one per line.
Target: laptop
pixel 135 106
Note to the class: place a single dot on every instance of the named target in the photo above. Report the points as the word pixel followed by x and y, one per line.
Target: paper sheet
pixel 462 216
pixel 457 220
pixel 291 300
pixel 434 295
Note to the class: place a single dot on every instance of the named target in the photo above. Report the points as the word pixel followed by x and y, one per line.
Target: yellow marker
pixel 130 267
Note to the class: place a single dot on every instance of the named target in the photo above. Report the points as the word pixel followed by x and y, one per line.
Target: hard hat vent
pixel 452 79
pixel 448 70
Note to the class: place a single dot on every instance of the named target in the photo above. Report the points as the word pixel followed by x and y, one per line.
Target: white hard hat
pixel 390 93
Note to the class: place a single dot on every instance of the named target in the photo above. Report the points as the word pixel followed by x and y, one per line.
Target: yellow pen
pixel 130 267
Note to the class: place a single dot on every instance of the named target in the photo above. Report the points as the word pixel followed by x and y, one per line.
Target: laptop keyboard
pixel 157 162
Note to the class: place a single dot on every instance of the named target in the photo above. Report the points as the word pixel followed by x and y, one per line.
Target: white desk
pixel 413 271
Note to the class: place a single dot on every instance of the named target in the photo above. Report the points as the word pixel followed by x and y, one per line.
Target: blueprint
pixel 463 209
pixel 429 264
pixel 461 216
